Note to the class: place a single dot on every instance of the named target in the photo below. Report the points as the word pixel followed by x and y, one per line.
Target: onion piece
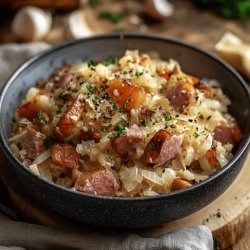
pixel 151 176
pixel 42 157
pixel 18 136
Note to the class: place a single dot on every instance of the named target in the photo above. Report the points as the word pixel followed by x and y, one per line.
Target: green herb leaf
pixel 59 110
pixel 90 90
pixel 144 141
pixel 74 90
pixel 138 74
pixel 196 135
pixel 114 18
pixel 92 64
pixel 121 110
pixel 48 141
pixel 40 116
pixel 103 129
pixel 114 107
pixel 143 123
pixel 110 62
pixel 126 103
pixel 168 117
pixel 105 96
pixel 121 130
pixel 93 3
pixel 151 146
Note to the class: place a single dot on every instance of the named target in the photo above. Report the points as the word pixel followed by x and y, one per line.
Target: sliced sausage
pixel 90 135
pixel 64 155
pixel 212 159
pixel 100 182
pixel 179 96
pixel 126 145
pixel 34 143
pixel 161 148
pixel 229 132
pixel 69 120
pixel 205 88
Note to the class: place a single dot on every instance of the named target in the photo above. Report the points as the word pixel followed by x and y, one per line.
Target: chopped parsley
pixel 59 110
pixel 48 141
pixel 196 135
pixel 151 146
pixel 114 107
pixel 177 116
pixel 92 64
pixel 114 18
pixel 110 62
pixel 126 103
pixel 93 3
pixel 121 110
pixel 40 116
pixel 63 96
pixel 138 74
pixel 111 136
pixel 144 140
pixel 74 90
pixel 168 117
pixel 105 96
pixel 90 90
pixel 121 130
pixel 143 123
pixel 103 129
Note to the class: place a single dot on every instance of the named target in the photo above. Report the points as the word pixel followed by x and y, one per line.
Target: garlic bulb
pixel 158 9
pixel 31 24
pixel 77 26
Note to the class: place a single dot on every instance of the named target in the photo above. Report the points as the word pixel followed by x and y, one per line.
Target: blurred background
pixel 201 22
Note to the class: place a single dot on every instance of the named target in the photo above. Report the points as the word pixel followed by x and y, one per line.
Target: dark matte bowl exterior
pixel 125 212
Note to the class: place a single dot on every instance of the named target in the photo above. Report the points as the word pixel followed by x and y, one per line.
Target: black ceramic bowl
pixel 126 212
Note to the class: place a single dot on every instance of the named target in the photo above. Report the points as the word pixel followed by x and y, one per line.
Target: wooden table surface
pixel 195 26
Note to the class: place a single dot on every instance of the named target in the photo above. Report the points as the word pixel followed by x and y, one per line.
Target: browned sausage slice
pixel 100 182
pixel 161 148
pixel 125 145
pixel 34 143
pixel 228 133
pixel 178 96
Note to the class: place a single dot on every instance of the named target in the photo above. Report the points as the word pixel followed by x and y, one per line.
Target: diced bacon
pixel 64 155
pixel 28 110
pixel 126 96
pixel 229 132
pixel 69 120
pixel 212 159
pixel 161 148
pixel 179 96
pixel 34 143
pixel 100 182
pixel 90 135
pixel 126 145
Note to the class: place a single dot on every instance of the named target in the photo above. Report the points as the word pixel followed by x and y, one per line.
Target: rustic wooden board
pixel 227 217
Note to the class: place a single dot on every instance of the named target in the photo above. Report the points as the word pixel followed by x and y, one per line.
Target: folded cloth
pixel 17 235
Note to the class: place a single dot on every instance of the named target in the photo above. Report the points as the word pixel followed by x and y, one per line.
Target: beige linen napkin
pixel 16 235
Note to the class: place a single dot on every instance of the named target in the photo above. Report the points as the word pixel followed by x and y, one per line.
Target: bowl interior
pixel 192 60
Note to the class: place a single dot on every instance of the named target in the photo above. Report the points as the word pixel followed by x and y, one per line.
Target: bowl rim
pixel 13 160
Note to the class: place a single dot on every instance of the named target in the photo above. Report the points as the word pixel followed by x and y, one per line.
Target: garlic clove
pixel 237 53
pixel 77 26
pixel 31 23
pixel 158 9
